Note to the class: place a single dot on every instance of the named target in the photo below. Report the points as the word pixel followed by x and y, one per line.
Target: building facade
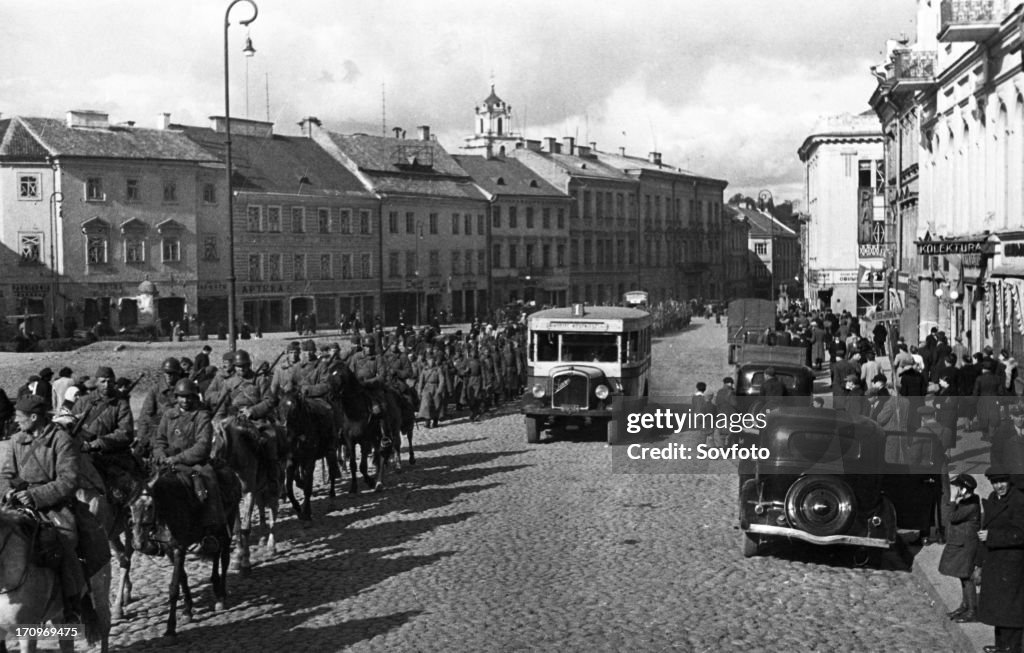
pixel 848 239
pixel 773 254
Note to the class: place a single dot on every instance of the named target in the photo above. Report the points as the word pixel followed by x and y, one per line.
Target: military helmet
pixel 186 388
pixel 355 340
pixel 294 345
pixel 171 366
pixel 242 358
pixel 308 345
pixel 369 341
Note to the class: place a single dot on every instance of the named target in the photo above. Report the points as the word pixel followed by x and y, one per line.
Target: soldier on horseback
pixel 368 369
pixel 41 473
pixel 247 401
pixel 397 373
pixel 157 402
pixel 183 441
pixel 215 390
pixel 284 377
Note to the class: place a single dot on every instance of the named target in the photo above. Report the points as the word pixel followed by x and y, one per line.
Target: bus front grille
pixel 570 390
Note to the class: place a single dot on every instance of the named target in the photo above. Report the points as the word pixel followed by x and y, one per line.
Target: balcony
pixel 970 20
pixel 914 71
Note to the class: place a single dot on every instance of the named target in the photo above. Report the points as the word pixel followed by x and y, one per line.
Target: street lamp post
pixel 249 51
pixel 56 197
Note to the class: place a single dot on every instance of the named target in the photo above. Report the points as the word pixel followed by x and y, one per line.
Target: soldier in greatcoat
pixel 1001 603
pixel 106 430
pixel 248 400
pixel 431 388
pixel 158 400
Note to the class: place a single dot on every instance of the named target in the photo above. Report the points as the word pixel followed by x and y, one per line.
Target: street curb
pixel 960 639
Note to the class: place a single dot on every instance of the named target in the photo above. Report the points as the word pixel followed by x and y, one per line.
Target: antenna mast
pixel 268 95
pixel 383 111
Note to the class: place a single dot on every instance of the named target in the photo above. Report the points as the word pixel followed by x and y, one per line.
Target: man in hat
pixel 1008 445
pixel 1001 603
pixel 283 379
pixel 158 401
pixel 44 388
pixel 41 472
pixel 772 386
pixel 988 388
pixel 202 360
pixel 215 390
pixel 107 430
pixel 853 396
pixel 247 400
pixel 962 518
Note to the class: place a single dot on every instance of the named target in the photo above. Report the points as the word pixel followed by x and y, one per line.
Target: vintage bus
pixel 579 360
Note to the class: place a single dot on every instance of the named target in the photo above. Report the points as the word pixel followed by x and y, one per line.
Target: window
pixel 298 219
pixel 274 219
pixel 346 221
pixel 365 266
pixel 529 217
pixel 620 247
pixel 496 218
pixel 574 251
pixel 346 266
pixel 632 252
pixel 209 194
pixel 545 256
pixel 134 250
pixel 496 255
pixel 513 256
pixel 299 267
pixel 588 252
pixel 410 263
pixel 325 267
pixel 255 268
pixel 435 262
pixel 480 223
pixel 132 190
pixel 323 221
pixel 31 248
pixel 273 267
pixel 561 218
pixel 560 256
pixel 170 191
pixel 513 218
pixel 433 223
pixel 170 249
pixel 210 248
pixel 28 187
pixel 468 225
pixel 530 261
pixel 94 190
pixel 364 222
pixel 393 270
pixel 393 222
pixel 545 220
pixel 468 269
pixel 255 218
pixel 410 222
pixel 761 249
pixel 456 263
pixel 481 262
pixel 455 224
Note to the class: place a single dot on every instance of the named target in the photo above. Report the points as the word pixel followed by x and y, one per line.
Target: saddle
pixel 46 549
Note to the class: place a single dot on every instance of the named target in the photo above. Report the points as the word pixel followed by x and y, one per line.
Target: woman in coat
pixel 962 515
pixel 817 346
pixel 1001 603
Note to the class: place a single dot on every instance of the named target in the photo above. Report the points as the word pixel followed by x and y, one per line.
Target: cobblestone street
pixel 490 544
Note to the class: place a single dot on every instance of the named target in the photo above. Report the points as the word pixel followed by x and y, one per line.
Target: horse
pixel 311 435
pixel 354 416
pixel 242 453
pixel 397 420
pixel 31 593
pixel 166 521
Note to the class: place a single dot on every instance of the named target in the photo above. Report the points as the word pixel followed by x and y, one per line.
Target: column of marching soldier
pixel 77 453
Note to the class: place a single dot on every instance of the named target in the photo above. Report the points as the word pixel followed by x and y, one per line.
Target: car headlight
pixel 601 391
pixel 538 391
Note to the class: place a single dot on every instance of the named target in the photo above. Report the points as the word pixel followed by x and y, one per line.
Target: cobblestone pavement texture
pixel 490 544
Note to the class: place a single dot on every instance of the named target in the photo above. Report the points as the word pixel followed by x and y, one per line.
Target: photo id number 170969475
pixel 47 631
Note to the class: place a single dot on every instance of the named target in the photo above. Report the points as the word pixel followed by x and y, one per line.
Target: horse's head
pixel 289 406
pixel 340 378
pixel 149 535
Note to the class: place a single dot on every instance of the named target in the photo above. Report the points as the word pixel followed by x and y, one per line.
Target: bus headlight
pixel 601 391
pixel 538 391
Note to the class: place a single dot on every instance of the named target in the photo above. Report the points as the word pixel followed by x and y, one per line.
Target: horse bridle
pixel 37 521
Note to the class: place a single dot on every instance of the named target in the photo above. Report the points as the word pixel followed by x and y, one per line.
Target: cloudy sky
pixel 725 88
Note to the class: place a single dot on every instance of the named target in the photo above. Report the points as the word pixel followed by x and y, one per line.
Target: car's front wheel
pixel 820 505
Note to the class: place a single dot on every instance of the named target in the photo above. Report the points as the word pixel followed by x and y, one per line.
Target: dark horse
pixel 357 425
pixel 259 491
pixel 311 435
pixel 166 520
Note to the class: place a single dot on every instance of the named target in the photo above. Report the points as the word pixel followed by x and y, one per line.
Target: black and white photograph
pixel 443 326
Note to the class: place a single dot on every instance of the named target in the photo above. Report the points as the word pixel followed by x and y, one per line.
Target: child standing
pixel 963 518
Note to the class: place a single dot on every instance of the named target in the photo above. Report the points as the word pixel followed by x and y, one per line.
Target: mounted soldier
pixel 283 379
pixel 157 402
pixel 183 441
pixel 215 390
pixel 106 430
pixel 368 370
pixel 41 473
pixel 247 402
pixel 397 374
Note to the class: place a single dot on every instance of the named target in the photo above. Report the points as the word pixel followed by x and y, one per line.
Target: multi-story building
pixel 104 218
pixel 434 219
pixel 774 265
pixel 952 110
pixel 307 233
pixel 847 237
pixel 529 232
pixel 736 252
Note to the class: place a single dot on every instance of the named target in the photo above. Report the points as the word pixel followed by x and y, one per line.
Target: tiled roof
pixel 113 142
pixel 761 225
pixel 17 143
pixel 575 166
pixel 404 166
pixel 623 162
pixel 279 164
pixel 503 176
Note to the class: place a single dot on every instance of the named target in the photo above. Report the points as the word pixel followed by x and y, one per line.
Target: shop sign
pixel 875 250
pixel 886 316
pixel 1010 262
pixel 212 286
pixel 945 247
pixel 30 289
pixel 262 288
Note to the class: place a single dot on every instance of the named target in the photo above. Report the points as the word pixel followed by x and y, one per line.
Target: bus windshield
pixel 577 347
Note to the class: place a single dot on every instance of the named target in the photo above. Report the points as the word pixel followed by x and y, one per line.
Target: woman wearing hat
pixel 1001 603
pixel 962 515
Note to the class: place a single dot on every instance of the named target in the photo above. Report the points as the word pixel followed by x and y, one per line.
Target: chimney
pixel 163 120
pixel 424 132
pixel 654 157
pixel 398 131
pixel 569 145
pixel 86 118
pixel 533 145
pixel 489 149
pixel 593 145
pixel 622 151
pixel 582 151
pixel 550 144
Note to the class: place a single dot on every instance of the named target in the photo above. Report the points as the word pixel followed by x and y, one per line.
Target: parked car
pixel 830 478
pixel 798 379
